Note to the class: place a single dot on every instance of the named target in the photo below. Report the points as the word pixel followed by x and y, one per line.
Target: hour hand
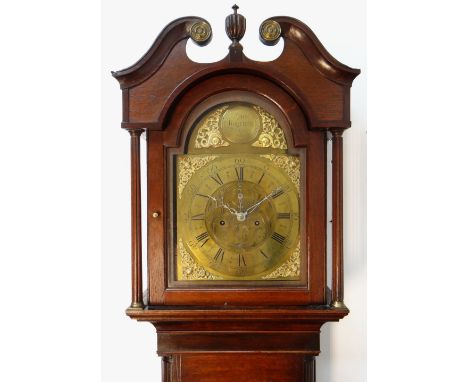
pixel 222 204
pixel 239 215
pixel 230 209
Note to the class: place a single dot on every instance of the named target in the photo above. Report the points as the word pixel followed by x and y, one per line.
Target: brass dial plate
pixel 238 216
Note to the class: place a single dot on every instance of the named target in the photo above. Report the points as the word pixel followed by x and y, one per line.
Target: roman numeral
pixel 241 260
pixel 219 255
pixel 240 173
pixel 278 237
pixel 284 215
pixel 264 254
pixel 198 217
pixel 217 179
pixel 261 178
pixel 202 236
pixel 278 193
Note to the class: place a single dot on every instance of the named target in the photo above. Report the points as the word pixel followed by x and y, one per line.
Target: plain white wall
pixel 128 30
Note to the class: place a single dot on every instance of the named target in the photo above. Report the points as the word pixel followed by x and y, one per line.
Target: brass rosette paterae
pixel 270 32
pixel 200 33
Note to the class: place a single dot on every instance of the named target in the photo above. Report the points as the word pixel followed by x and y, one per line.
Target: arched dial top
pixel 238 199
pixel 238 125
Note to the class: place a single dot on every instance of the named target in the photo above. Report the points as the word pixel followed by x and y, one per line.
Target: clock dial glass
pixel 238 199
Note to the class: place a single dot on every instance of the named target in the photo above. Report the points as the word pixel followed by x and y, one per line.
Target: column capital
pixel 337 132
pixel 135 132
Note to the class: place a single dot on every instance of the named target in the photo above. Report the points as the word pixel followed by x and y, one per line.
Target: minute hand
pixel 253 207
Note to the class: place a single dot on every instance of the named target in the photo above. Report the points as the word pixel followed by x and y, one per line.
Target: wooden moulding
pixel 249 341
pixel 188 331
pixel 305 69
pixel 179 314
pixel 286 330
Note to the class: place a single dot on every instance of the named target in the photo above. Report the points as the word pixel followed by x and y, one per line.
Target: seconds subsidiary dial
pixel 240 216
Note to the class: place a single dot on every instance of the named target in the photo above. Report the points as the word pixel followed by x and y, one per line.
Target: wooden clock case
pixel 237 333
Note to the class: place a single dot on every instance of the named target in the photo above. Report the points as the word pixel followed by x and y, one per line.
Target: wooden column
pixel 166 368
pixel 309 369
pixel 137 287
pixel 337 217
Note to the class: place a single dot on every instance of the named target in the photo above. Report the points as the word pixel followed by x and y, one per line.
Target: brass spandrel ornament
pixel 209 134
pixel 238 125
pixel 290 270
pixel 272 134
pixel 189 269
pixel 187 166
pixel 290 164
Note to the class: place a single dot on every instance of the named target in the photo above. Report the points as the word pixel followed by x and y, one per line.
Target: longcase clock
pixel 236 173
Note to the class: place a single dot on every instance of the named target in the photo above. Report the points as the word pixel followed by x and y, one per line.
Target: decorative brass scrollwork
pixel 290 269
pixel 191 270
pixel 272 134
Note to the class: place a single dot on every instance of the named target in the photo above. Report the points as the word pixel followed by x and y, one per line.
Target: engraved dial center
pixel 239 230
